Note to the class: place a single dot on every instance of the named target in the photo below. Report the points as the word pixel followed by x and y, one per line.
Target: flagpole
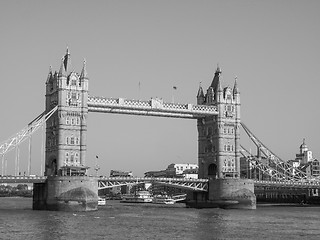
pixel 173 88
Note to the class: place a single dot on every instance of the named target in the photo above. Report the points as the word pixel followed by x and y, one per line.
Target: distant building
pixel 117 173
pixel 190 173
pixel 181 167
pixel 174 170
pixel 159 174
pixel 305 162
pixel 305 154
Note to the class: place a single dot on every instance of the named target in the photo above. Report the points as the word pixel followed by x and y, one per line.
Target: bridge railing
pixel 185 183
pixel 153 107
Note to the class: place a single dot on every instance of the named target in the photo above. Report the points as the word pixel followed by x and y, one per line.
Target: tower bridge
pixel 66 186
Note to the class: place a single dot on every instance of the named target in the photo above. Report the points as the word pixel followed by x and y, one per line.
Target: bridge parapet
pixel 22 179
pixel 153 107
pixel 302 184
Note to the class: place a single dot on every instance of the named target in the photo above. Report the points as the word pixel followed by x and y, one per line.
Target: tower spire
pixel 200 91
pixel 84 73
pixel 216 78
pixel 49 74
pixel 235 87
pixel 67 61
pixel 62 71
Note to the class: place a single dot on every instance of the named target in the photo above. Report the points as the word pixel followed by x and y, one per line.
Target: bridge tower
pixel 219 149
pixel 219 135
pixel 66 130
pixel 67 186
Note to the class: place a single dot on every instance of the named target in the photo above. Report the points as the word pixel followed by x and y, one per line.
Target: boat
pixel 163 199
pixel 101 201
pixel 137 197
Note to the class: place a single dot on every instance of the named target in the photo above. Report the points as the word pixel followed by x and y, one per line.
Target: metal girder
pixel 33 126
pixel 276 167
pixel 153 107
pixel 184 183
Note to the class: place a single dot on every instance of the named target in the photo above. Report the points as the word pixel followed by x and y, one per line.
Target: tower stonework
pixel 67 129
pixel 67 188
pixel 219 150
pixel 219 135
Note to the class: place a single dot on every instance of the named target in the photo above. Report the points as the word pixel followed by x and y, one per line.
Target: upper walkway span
pixel 183 183
pixel 153 107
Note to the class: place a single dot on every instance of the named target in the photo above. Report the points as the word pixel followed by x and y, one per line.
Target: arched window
pixel 212 170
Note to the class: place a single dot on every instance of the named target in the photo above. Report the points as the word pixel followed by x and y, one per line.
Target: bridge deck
pixel 153 107
pixel 186 183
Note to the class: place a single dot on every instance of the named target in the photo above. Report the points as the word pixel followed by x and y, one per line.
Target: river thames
pixel 150 221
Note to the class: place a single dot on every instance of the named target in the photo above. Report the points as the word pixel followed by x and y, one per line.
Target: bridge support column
pixel 225 193
pixel 232 193
pixel 64 193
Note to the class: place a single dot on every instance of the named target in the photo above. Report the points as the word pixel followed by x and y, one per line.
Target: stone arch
pixel 212 170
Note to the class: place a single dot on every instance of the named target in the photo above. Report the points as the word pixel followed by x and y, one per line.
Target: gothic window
pixel 67 120
pixel 67 157
pixel 72 121
pixel 67 140
pixel 78 121
pixel 72 158
pixel 73 82
pixel 77 141
pixel 72 140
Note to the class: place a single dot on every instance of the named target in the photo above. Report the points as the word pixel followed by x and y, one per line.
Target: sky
pixel 273 48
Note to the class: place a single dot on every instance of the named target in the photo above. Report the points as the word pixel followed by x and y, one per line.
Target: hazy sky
pixel 273 47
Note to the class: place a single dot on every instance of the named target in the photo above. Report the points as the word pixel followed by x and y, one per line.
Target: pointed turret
pixel 216 78
pixel 67 61
pixel 84 74
pixel 235 87
pixel 84 79
pixel 62 71
pixel 49 74
pixel 200 95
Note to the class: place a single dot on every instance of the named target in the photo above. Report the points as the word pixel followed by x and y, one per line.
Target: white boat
pixel 138 197
pixel 101 201
pixel 163 199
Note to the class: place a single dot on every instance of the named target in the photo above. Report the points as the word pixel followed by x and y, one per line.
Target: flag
pixel 174 87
